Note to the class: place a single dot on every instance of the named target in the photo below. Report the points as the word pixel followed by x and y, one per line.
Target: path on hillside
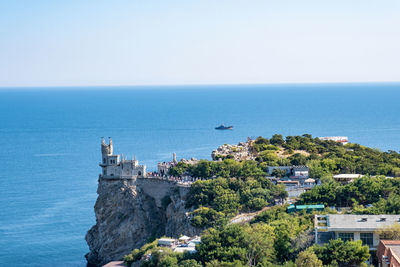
pixel 246 217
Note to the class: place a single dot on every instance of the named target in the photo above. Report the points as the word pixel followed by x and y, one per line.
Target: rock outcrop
pixel 130 212
pixel 239 152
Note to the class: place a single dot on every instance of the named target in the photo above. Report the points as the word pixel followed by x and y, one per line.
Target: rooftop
pixel 350 222
pixel 300 207
pixel 347 176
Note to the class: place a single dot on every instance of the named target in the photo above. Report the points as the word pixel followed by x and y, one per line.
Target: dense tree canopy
pixel 338 252
pixel 226 197
pixel 274 237
pixel 382 193
pixel 323 157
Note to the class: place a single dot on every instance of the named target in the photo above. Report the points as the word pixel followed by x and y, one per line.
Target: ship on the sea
pixel 223 127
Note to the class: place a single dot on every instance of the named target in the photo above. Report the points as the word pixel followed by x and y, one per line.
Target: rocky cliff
pixel 130 212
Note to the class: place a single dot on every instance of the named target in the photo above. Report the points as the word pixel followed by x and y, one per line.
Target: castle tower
pixel 107 153
pixel 106 150
pixel 118 167
pixel 174 158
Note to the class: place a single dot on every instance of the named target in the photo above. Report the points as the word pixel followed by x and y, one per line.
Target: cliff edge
pixel 130 212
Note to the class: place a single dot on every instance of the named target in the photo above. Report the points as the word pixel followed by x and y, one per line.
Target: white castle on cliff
pixel 116 167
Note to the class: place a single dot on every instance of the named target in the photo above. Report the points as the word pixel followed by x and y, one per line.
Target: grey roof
pixel 395 249
pixel 350 222
pixel 300 168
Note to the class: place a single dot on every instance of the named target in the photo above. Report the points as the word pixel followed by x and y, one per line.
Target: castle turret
pixel 106 150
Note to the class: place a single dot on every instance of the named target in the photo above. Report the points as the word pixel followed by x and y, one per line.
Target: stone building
pixel 163 167
pixel 116 167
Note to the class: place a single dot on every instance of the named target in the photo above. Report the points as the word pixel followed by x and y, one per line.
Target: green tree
pixel 349 253
pixel 298 159
pixel 259 239
pixel 225 245
pixel 277 139
pixel 308 258
pixel 179 169
pixel 391 232
pixel 278 173
pixel 206 217
pixel 190 263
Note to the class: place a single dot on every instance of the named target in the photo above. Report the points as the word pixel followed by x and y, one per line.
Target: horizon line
pixel 191 85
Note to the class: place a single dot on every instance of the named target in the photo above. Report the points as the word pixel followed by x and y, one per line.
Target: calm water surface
pixel 50 144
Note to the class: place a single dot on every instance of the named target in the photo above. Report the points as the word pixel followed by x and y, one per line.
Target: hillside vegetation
pixel 323 157
pixel 274 237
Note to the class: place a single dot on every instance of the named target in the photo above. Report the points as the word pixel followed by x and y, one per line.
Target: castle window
pixel 140 173
pixel 104 160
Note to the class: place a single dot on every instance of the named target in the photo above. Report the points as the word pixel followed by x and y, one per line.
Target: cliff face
pixel 129 212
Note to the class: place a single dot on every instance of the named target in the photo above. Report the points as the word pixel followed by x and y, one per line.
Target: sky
pixel 128 42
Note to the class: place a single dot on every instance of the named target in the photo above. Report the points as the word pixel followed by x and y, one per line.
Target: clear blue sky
pixel 127 42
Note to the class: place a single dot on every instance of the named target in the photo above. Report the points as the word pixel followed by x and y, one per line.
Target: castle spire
pixel 111 147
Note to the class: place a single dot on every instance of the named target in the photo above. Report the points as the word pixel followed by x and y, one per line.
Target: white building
pixel 352 227
pixel 346 178
pixel 116 167
pixel 340 139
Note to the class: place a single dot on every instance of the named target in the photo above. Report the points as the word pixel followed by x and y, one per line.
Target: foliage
pixel 278 173
pixel 382 193
pixel 224 245
pixel 259 239
pixel 308 258
pixel 190 263
pixel 349 253
pixel 207 217
pixel 274 237
pixel 391 232
pixel 226 197
pixel 137 254
pixel 324 159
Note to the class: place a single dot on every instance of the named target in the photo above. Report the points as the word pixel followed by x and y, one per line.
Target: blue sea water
pixel 50 144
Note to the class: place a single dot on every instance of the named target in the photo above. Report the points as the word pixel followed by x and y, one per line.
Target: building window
pixel 346 236
pixel 104 160
pixel 367 238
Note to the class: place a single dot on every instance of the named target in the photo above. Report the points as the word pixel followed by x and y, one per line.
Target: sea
pixel 50 144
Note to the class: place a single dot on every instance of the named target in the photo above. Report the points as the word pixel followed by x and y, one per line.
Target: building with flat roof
pixel 340 139
pixel 352 227
pixel 388 253
pixel 167 242
pixel 346 178
pixel 291 171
